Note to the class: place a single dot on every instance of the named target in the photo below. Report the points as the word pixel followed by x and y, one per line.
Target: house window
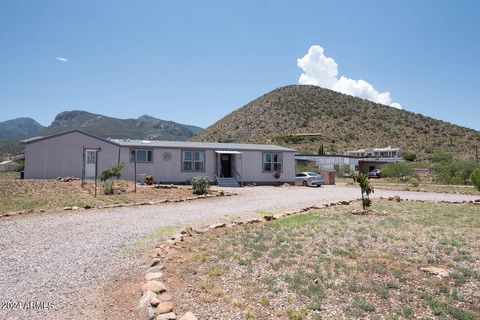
pixel 272 162
pixel 193 161
pixel 141 155
pixel 91 156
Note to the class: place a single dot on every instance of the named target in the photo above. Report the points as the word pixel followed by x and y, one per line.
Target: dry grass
pixel 19 195
pixel 330 264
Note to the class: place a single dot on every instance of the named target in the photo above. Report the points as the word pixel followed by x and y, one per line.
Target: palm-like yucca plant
pixel 365 188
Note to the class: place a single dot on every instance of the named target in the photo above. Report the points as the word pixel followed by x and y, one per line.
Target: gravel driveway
pixel 60 258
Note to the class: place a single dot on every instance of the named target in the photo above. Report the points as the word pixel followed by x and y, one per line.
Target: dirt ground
pixel 420 260
pixel 19 195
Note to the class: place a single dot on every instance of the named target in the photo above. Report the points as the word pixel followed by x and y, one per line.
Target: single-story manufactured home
pixel 80 154
pixel 8 165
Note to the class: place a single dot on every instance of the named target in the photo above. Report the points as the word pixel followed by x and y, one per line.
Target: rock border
pixel 398 199
pixel 155 302
pixel 213 194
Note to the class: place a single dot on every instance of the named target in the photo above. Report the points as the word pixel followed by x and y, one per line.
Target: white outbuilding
pixel 8 165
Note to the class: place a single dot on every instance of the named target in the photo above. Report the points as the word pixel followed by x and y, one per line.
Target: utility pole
pixel 476 153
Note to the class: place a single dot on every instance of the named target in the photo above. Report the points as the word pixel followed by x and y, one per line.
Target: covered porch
pixel 228 168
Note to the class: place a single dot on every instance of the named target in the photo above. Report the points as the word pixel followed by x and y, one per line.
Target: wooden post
pixel 96 168
pixel 83 166
pixel 135 173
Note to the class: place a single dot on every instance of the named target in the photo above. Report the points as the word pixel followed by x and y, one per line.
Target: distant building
pixel 387 152
pixel 361 160
pixel 8 165
pixel 339 163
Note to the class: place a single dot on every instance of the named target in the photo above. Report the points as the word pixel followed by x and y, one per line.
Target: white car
pixel 308 179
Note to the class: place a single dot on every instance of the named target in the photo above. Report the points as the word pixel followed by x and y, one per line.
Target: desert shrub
pixel 20 167
pixel 409 156
pixel 365 188
pixel 113 172
pixel 475 178
pixel 108 187
pixel 200 185
pixel 415 182
pixel 441 157
pixel 306 167
pixel 397 170
pixel 455 172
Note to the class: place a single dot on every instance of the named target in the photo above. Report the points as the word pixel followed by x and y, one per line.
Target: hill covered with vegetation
pixel 18 127
pixel 307 117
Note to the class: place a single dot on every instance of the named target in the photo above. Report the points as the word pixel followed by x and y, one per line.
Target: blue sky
pixel 196 61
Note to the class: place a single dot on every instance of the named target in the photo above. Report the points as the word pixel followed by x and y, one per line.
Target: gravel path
pixel 61 258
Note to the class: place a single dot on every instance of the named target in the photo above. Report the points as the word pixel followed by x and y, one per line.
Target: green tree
pixel 365 188
pixel 475 178
pixel 409 156
pixel 397 170
pixel 113 172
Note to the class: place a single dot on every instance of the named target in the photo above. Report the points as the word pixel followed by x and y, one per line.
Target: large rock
pixel 188 316
pixel 154 286
pixel 164 307
pixel 153 276
pixel 145 311
pixel 165 297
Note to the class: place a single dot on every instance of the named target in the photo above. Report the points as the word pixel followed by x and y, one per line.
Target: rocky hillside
pixel 338 122
pixel 144 127
pixel 18 127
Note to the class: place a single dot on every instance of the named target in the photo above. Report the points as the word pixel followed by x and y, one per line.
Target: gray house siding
pixel 61 155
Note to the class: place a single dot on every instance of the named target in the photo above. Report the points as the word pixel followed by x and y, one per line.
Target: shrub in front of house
pixel 108 187
pixel 107 177
pixel 200 185
pixel 113 172
pixel 475 178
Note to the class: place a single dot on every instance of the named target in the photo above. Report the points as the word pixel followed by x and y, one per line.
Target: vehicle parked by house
pixel 375 173
pixel 309 179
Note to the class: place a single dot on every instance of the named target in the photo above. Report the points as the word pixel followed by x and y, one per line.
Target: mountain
pixel 338 122
pixel 145 127
pixel 194 129
pixel 18 127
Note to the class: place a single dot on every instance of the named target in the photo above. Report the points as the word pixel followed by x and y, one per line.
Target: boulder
pixel 167 316
pixel 154 286
pixel 439 272
pixel 164 297
pixel 153 276
pixel 217 225
pixel 145 311
pixel 164 307
pixel 155 301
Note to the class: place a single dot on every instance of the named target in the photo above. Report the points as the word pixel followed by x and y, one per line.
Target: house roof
pixel 172 144
pixel 200 145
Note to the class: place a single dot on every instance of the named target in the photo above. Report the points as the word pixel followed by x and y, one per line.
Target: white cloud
pixel 62 59
pixel 322 71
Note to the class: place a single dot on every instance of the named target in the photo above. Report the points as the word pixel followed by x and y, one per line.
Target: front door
pixel 226 165
pixel 90 160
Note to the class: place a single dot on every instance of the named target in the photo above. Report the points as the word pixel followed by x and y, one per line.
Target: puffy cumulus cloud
pixel 322 71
